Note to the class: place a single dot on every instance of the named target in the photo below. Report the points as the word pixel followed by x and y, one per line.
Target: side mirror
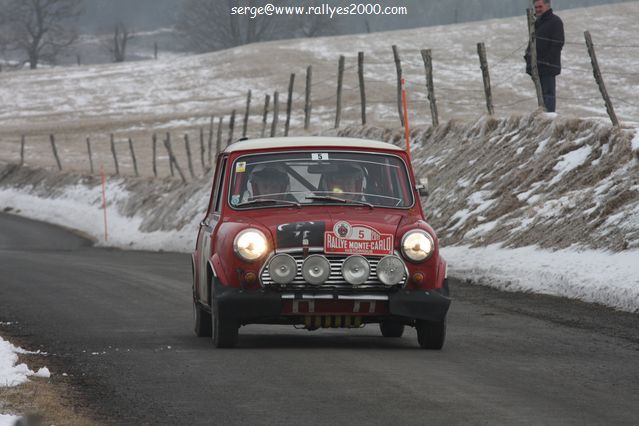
pixel 422 187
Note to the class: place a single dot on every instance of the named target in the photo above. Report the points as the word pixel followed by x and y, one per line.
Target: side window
pixel 219 186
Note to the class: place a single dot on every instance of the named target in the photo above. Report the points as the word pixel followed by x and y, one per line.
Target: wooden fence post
pixel 155 147
pixel 428 67
pixel 307 99
pixel 187 145
pixel 210 144
pixel 267 99
pixel 533 58
pixel 202 149
pixel 340 80
pixel 90 154
pixel 135 163
pixel 362 90
pixel 599 79
pixel 22 151
pixel 55 151
pixel 398 68
pixel 246 113
pixel 172 159
pixel 276 110
pixel 231 128
pixel 289 104
pixel 481 51
pixel 167 145
pixel 115 155
pixel 218 141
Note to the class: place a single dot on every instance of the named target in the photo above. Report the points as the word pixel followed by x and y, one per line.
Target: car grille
pixel 335 279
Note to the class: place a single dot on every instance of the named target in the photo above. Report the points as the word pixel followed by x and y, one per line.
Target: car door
pixel 208 228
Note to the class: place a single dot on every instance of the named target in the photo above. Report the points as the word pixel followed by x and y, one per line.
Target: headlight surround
pixel 250 244
pixel 417 246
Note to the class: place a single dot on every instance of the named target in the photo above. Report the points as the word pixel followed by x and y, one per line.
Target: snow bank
pixel 142 214
pixel 531 180
pixel 8 420
pixel 607 278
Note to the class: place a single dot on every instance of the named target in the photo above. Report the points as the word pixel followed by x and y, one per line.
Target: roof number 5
pixel 319 156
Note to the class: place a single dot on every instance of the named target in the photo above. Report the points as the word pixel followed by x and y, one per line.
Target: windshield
pixel 304 178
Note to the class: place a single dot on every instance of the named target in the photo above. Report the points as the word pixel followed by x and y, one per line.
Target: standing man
pixel 549 34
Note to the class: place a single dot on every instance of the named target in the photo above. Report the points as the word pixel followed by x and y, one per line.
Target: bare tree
pixel 117 45
pixel 208 27
pixel 38 28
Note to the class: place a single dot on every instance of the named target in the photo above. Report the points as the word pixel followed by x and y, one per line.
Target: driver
pixel 269 182
pixel 346 182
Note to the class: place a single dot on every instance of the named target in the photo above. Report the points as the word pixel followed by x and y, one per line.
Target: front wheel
pixel 391 328
pixel 225 331
pixel 431 334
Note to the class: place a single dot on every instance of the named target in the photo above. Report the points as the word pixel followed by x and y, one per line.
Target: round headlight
pixel 316 269
pixel 391 270
pixel 355 270
pixel 417 246
pixel 250 245
pixel 282 268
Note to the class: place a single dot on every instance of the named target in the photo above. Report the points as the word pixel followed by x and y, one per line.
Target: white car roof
pixel 309 141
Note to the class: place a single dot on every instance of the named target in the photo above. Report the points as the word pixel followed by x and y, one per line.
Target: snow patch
pixel 12 374
pixel 8 419
pixel 570 161
pixel 541 146
pixel 593 276
pixel 482 229
pixel 635 141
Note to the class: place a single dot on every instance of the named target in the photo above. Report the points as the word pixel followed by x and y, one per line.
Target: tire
pixel 391 328
pixel 202 321
pixel 431 334
pixel 225 332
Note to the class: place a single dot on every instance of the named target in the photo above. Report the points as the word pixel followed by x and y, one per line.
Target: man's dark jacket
pixel 549 30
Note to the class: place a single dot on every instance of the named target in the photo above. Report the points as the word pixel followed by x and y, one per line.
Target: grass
pixel 45 401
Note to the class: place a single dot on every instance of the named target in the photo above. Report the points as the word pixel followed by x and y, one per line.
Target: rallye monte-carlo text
pixel 317 232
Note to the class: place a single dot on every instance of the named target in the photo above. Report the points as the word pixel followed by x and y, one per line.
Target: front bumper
pixel 419 304
pixel 262 305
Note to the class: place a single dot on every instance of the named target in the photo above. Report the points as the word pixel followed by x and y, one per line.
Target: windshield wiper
pixel 268 201
pixel 339 200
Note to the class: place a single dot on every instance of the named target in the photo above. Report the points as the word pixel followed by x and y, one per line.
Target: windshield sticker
pixel 357 239
pixel 235 200
pixel 319 156
pixel 240 167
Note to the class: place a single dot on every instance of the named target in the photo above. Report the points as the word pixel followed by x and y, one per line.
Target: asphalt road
pixel 119 324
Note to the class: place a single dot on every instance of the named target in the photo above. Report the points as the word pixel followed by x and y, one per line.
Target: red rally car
pixel 317 232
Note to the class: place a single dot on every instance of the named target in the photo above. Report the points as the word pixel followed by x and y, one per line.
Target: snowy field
pixel 179 94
